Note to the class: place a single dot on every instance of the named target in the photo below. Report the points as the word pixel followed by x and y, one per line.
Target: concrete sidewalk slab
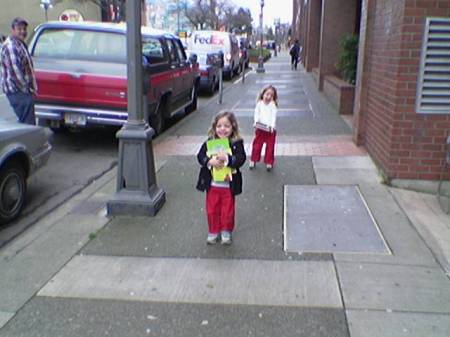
pixel 397 324
pixel 31 260
pixel 180 229
pixel 406 245
pixel 430 221
pixel 5 317
pixel 329 218
pixel 394 287
pixel 212 281
pixel 74 318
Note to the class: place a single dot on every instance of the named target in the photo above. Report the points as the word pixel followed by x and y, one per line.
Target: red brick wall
pixel 312 47
pixel 407 145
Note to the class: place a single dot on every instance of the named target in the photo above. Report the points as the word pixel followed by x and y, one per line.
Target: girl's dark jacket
pixel 235 160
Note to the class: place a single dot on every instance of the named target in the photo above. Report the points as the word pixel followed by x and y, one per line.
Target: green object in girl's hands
pixel 214 147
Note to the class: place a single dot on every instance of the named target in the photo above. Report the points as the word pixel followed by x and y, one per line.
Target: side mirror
pixel 193 58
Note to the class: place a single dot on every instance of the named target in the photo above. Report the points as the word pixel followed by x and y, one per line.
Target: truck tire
pixel 157 119
pixel 13 189
pixel 193 106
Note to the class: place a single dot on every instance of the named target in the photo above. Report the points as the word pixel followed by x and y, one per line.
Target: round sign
pixel 71 15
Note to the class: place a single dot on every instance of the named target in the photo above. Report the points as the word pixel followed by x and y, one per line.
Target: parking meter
pixel 221 64
pixel 245 55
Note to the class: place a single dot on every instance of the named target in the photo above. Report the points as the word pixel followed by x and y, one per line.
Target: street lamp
pixel 136 189
pixel 260 68
pixel 46 5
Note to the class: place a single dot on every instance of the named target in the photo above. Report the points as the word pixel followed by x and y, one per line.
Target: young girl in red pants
pixel 220 195
pixel 265 127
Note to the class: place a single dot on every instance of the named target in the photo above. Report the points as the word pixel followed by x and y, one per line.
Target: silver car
pixel 23 149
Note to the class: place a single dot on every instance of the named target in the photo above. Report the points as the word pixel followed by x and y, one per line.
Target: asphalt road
pixel 77 159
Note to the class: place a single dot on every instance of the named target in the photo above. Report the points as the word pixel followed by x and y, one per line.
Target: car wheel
pixel 13 188
pixel 193 106
pixel 157 119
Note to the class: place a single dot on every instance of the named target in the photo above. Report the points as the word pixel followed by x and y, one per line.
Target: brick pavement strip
pixel 286 146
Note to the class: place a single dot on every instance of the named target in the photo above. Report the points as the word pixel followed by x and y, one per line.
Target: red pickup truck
pixel 81 72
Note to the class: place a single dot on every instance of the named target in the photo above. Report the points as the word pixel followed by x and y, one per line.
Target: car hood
pixel 10 130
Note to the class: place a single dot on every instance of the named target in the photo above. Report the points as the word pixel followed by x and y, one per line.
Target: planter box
pixel 340 93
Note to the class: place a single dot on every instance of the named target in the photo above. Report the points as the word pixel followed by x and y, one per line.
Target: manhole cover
pixel 329 218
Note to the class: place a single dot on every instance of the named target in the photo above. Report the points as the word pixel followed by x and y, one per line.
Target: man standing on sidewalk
pixel 18 78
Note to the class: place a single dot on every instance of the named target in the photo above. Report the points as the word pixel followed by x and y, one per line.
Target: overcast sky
pixel 273 9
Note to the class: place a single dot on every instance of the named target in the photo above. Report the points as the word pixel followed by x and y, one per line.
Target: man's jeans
pixel 23 105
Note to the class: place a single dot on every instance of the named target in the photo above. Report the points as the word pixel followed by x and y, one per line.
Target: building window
pixel 433 85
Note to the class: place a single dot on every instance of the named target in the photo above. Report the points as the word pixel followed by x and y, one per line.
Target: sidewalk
pixel 77 273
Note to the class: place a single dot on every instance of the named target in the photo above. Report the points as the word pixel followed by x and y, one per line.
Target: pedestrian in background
pixel 265 119
pixel 294 51
pixel 220 195
pixel 18 78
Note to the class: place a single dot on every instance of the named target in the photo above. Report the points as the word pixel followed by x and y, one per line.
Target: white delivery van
pixel 206 41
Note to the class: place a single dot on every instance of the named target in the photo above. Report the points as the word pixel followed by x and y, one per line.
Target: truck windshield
pixel 86 45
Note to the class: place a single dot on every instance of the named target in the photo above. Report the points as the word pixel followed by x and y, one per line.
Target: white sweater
pixel 266 114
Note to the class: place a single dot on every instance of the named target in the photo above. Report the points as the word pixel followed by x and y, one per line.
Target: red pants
pixel 262 137
pixel 220 209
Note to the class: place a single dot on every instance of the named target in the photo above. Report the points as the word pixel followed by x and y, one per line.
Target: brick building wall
pixel 406 145
pixel 312 26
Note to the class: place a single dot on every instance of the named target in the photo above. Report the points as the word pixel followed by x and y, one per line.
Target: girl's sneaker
pixel 225 238
pixel 269 167
pixel 212 239
pixel 251 165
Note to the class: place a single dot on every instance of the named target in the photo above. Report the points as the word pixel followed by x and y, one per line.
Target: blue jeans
pixel 23 105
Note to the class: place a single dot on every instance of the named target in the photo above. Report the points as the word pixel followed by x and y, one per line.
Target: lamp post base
pixel 136 203
pixel 260 68
pixel 137 193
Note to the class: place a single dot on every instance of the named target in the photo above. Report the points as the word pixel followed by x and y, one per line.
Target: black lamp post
pixel 136 191
pixel 260 68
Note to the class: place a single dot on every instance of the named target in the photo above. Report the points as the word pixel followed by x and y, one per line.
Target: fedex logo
pixel 213 39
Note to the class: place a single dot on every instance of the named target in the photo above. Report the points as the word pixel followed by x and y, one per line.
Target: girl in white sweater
pixel 265 127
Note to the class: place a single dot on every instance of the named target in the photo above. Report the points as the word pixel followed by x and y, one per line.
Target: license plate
pixel 74 119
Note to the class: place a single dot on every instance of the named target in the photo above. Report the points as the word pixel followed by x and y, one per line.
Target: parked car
pixel 23 150
pixel 214 41
pixel 209 71
pixel 81 70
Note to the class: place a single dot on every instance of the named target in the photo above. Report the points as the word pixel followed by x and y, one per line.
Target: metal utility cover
pixel 328 218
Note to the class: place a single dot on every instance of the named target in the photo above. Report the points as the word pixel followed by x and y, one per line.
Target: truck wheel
pixel 13 188
pixel 193 106
pixel 157 119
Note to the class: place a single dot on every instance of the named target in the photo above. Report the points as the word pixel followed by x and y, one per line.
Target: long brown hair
pixel 234 125
pixel 263 91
